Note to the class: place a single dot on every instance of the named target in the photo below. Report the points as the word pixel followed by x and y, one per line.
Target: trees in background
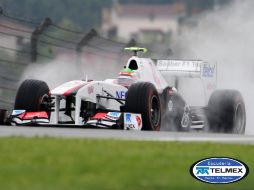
pixel 83 13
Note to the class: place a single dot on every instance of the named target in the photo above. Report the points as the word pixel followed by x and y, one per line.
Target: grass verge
pixel 54 163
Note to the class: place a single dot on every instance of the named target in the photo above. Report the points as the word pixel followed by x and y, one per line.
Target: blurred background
pixel 60 40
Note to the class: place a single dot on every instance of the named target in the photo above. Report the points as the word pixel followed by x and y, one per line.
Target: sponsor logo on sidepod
pixel 121 94
pixel 221 170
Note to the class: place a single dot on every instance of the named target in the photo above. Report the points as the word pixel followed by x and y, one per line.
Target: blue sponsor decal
pixel 17 112
pixel 114 114
pixel 220 170
pixel 121 94
pixel 128 118
pixel 208 70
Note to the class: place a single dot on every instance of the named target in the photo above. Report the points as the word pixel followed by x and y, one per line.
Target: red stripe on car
pixel 31 115
pixel 99 115
pixel 66 93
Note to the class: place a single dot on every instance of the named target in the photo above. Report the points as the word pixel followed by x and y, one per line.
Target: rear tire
pixel 174 109
pixel 143 98
pixel 226 112
pixel 31 96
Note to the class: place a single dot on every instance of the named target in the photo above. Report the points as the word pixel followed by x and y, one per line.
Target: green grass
pixel 53 163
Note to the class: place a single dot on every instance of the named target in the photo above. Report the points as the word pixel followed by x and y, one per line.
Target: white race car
pixel 138 99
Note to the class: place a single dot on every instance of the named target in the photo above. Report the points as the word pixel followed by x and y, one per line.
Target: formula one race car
pixel 138 99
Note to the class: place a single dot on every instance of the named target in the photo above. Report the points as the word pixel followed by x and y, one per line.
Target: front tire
pixel 32 96
pixel 3 116
pixel 143 98
pixel 226 112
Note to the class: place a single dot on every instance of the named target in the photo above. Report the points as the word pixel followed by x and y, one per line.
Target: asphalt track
pixel 11 131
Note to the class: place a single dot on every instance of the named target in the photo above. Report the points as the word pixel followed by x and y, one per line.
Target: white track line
pixel 9 131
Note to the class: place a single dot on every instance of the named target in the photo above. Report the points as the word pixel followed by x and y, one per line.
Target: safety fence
pixel 25 42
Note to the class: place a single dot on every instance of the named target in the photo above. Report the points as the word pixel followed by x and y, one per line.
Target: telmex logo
pixel 221 170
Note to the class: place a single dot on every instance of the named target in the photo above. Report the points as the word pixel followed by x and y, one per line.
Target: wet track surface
pixel 10 131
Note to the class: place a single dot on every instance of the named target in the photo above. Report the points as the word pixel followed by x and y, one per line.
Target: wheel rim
pixel 239 120
pixel 44 103
pixel 155 111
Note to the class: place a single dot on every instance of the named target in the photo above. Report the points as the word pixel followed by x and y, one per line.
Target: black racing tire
pixel 143 98
pixel 226 112
pixel 173 111
pixel 3 116
pixel 31 95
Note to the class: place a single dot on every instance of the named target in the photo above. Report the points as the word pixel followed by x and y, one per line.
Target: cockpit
pixel 128 75
pixel 133 65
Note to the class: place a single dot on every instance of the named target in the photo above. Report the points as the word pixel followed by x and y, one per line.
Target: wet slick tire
pixel 143 98
pixel 31 95
pixel 226 112
pixel 174 109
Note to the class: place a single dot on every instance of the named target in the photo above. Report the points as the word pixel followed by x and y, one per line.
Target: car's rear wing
pixel 187 68
pixel 190 68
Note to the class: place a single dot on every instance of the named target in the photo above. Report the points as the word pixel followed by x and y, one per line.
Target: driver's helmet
pixel 126 77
